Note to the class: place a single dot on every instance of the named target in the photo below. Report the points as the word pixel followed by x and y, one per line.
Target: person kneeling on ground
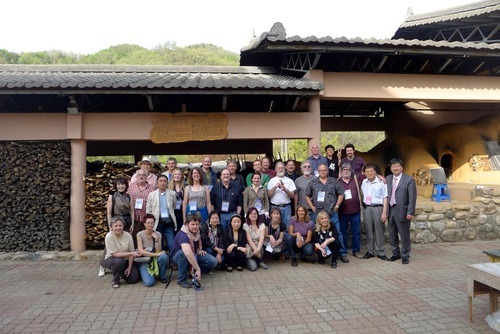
pixel 256 231
pixel 212 238
pixel 120 254
pixel 149 245
pixel 299 235
pixel 326 239
pixel 187 251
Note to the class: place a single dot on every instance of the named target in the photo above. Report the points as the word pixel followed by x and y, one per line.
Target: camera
pixel 196 284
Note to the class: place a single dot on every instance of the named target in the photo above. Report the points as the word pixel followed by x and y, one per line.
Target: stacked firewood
pixel 98 186
pixel 480 163
pixel 421 177
pixel 35 181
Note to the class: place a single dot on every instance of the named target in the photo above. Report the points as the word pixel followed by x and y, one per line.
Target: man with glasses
pixel 324 193
pixel 350 209
pixel 209 175
pixel 226 198
pixel 281 190
pixel 301 185
pixel 139 191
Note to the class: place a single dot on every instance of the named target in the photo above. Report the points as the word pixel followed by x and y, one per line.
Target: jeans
pixel 224 220
pixel 167 233
pixel 149 280
pixel 286 213
pixel 206 262
pixel 291 242
pixel 354 219
pixel 334 219
pixel 202 212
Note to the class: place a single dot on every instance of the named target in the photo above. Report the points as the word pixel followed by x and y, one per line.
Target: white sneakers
pixel 102 271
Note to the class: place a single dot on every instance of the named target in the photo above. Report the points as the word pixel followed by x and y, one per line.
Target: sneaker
pixel 102 271
pixel 262 265
pixel 211 272
pixel 294 262
pixel 185 285
pixel 344 259
pixel 334 264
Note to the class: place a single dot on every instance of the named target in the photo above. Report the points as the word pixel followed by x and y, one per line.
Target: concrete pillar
pixel 314 108
pixel 77 230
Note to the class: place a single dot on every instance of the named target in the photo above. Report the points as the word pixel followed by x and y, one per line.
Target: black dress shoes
pixel 406 260
pixel 394 258
pixel 383 257
pixel 368 256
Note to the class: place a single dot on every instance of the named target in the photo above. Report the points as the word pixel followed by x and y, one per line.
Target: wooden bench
pixel 494 254
pixel 483 278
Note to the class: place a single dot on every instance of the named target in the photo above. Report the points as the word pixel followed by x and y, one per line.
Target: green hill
pixel 130 54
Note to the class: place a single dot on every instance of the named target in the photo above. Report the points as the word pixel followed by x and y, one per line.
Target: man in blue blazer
pixel 402 201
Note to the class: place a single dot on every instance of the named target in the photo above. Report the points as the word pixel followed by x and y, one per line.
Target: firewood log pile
pixel 421 177
pixel 98 186
pixel 480 163
pixel 35 180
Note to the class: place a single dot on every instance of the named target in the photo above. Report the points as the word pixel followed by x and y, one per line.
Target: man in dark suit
pixel 402 201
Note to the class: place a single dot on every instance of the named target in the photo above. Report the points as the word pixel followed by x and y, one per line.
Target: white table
pixel 483 278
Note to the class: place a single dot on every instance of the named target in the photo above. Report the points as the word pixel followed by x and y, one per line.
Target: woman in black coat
pixel 235 241
pixel 212 237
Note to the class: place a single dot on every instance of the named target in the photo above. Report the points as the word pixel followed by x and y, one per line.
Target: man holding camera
pixel 188 253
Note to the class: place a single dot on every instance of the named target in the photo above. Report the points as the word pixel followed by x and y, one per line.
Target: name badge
pixel 164 213
pixel 328 251
pixel 269 248
pixel 321 196
pixel 258 206
pixel 348 194
pixel 316 173
pixel 138 203
pixel 368 200
pixel 193 206
pixel 225 206
pixel 178 204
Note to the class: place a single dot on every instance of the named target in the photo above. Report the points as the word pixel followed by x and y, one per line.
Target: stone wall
pixel 35 184
pixel 449 222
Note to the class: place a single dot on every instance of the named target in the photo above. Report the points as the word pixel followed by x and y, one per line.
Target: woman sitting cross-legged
pixel 120 254
pixel 299 237
pixel 212 238
pixel 149 244
pixel 256 232
pixel 235 241
pixel 326 239
pixel 275 235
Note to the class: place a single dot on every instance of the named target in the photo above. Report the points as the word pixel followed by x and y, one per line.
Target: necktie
pixel 395 182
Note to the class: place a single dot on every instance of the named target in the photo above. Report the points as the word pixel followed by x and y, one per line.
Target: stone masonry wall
pixel 449 222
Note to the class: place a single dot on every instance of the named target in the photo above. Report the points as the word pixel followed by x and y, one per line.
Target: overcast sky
pixel 92 25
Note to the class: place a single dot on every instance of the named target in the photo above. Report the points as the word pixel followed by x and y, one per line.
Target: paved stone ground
pixel 364 296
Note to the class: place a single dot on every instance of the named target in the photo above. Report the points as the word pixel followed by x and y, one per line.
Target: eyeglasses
pixel 308 167
pixel 322 170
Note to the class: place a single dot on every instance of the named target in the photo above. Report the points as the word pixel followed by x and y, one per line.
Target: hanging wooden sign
pixel 184 127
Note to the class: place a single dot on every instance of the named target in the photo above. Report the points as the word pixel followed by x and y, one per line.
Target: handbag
pixel 144 259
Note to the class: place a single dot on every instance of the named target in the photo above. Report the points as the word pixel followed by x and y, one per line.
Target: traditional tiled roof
pixel 139 78
pixel 276 36
pixel 455 13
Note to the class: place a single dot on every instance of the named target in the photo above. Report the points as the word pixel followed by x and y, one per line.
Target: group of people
pixel 233 223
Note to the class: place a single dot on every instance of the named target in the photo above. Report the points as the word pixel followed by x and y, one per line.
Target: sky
pixel 88 26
